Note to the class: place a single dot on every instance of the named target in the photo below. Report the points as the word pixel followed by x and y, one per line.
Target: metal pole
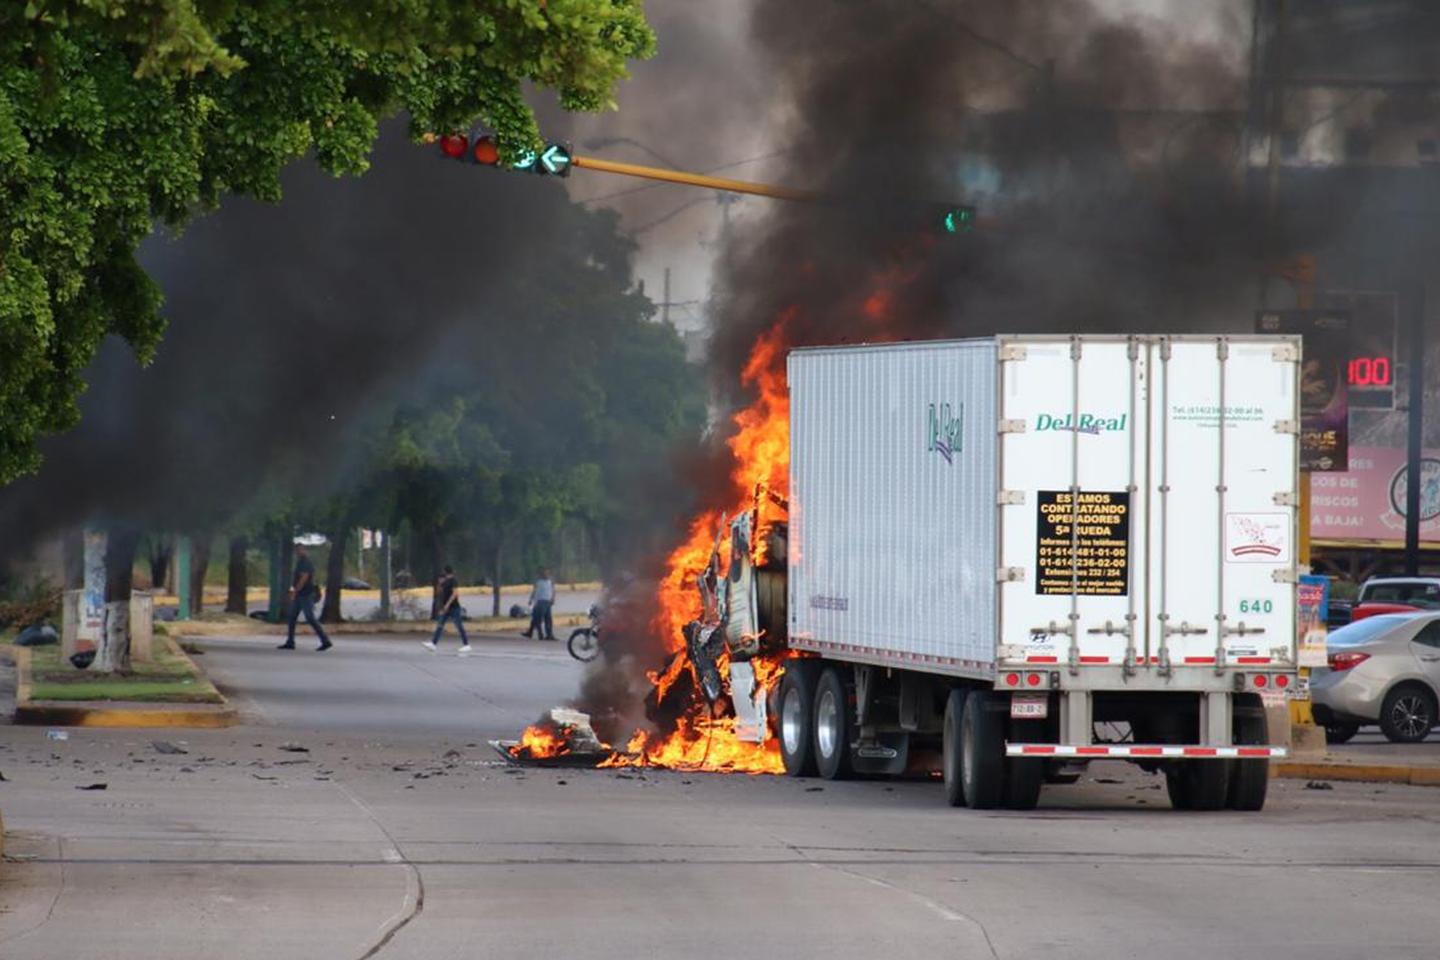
pixel 693 179
pixel 1413 478
pixel 665 305
pixel 182 577
pixel 385 576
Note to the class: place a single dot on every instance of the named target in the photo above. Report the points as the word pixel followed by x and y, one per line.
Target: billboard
pixel 1367 502
pixel 1324 403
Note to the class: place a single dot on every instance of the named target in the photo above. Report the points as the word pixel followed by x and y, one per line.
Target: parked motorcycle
pixel 585 641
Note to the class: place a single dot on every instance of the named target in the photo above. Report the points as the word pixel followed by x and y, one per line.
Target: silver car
pixel 1384 670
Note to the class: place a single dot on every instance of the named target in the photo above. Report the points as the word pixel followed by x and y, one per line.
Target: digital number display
pixel 1371 372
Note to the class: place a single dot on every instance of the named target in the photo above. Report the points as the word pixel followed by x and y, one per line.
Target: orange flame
pixel 759 482
pixel 543 740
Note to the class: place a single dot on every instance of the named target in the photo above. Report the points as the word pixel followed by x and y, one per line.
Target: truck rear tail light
pixel 1344 661
pixel 1282 681
pixel 1261 680
pixel 1033 679
pixel 1012 679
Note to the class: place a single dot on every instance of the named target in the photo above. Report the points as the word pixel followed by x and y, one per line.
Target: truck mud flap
pixel 887 755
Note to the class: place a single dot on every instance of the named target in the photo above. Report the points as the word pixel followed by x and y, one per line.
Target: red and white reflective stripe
pixel 1142 750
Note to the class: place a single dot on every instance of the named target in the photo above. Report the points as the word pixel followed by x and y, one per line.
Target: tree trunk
pixel 112 653
pixel 287 572
pixel 437 560
pixel 495 580
pixel 199 567
pixel 334 574
pixel 238 582
pixel 162 549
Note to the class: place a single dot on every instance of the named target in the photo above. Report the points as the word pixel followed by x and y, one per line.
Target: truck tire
pixel 832 726
pixel 796 720
pixel 1024 776
pixel 1249 778
pixel 1407 714
pixel 1198 784
pixel 982 752
pixel 952 748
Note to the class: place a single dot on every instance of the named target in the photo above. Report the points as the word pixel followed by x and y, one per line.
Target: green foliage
pixel 118 114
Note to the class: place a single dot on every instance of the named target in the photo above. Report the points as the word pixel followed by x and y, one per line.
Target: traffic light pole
pixel 692 179
pixel 1415 440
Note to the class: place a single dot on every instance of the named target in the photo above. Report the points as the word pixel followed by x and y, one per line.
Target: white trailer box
pixel 1125 503
pixel 1097 528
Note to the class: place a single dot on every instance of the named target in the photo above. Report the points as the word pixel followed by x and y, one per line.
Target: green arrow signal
pixel 556 159
pixel 526 160
pixel 960 220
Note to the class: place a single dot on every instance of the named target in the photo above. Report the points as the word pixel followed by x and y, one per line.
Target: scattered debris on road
pixel 1319 785
pixel 94 786
pixel 165 746
pixel 293 748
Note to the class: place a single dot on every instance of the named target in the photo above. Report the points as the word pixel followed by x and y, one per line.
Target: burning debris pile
pixel 562 735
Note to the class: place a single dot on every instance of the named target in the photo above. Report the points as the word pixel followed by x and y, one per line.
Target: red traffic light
pixel 453 145
pixel 486 152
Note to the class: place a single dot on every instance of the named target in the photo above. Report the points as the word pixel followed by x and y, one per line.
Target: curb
pixel 108 713
pixel 1360 772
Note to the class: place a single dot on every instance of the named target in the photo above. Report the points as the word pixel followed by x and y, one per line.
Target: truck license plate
pixel 1029 706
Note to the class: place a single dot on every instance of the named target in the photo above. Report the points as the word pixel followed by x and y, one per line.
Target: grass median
pixel 169 678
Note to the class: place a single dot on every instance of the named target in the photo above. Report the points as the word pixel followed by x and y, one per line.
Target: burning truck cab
pixel 1008 557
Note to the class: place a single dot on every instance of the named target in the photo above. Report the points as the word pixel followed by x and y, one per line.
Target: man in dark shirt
pixel 303 594
pixel 448 591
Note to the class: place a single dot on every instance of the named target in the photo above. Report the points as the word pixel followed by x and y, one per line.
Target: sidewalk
pixel 1373 762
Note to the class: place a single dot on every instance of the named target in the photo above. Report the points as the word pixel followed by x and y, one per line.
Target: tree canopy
pixel 116 115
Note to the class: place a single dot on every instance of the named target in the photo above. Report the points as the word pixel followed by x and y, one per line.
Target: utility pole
pixel 665 304
pixel 1414 480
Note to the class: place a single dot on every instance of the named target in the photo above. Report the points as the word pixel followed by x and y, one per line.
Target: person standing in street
pixel 542 600
pixel 303 594
pixel 448 590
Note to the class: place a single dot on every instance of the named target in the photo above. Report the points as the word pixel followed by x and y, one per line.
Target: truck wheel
pixel 1024 776
pixel 1249 778
pixel 1407 714
pixel 832 726
pixel 952 748
pixel 796 716
pixel 982 752
pixel 1198 784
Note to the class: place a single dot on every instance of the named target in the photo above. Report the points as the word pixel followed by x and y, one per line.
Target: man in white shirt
pixel 542 599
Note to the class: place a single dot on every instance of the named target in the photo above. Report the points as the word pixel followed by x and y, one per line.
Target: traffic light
pixel 485 152
pixel 554 159
pixel 453 145
pixel 957 219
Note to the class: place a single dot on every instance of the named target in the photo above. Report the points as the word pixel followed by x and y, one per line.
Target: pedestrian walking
pixel 542 600
pixel 303 594
pixel 447 588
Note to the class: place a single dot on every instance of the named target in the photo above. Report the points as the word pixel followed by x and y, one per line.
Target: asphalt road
pixel 398 834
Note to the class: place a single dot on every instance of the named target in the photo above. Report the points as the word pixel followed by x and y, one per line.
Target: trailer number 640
pixel 1257 606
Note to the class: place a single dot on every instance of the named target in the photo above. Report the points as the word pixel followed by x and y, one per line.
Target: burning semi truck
pixel 1019 553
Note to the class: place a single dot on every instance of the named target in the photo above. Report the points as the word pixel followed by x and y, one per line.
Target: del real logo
pixel 1084 423
pixel 946 431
